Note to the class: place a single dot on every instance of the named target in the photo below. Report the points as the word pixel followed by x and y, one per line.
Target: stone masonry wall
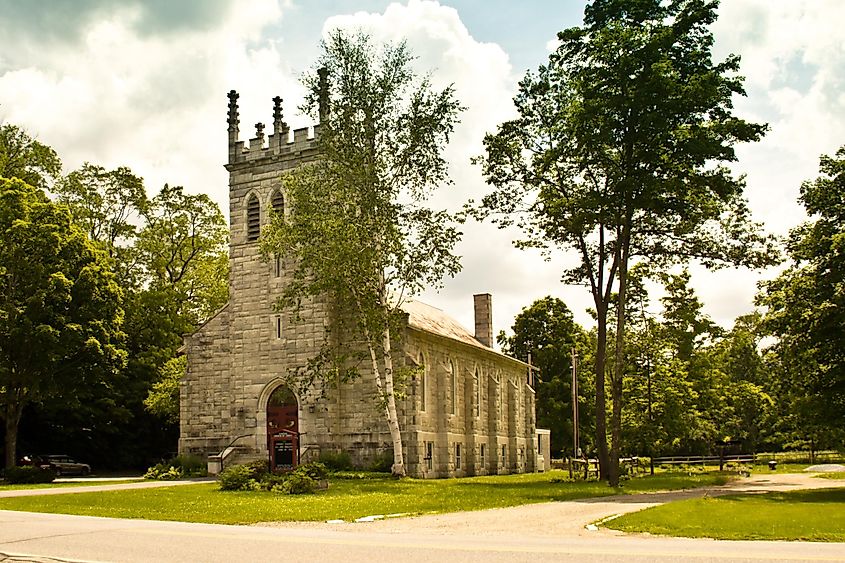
pixel 489 404
pixel 472 409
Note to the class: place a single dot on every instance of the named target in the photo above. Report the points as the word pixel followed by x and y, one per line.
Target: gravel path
pixel 562 519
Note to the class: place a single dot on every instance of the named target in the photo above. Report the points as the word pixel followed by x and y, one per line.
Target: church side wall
pixel 482 423
pixel 204 416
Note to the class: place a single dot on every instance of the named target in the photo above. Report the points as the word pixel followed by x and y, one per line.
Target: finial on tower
pixel 279 126
pixel 258 141
pixel 233 117
pixel 323 85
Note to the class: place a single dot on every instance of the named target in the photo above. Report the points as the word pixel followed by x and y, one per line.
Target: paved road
pixel 548 531
pixel 53 537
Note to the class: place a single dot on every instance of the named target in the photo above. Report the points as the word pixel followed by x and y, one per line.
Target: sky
pixel 143 84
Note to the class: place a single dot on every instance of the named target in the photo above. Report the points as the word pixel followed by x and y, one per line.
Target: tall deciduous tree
pixel 359 231
pixel 806 303
pixel 60 313
pixel 182 248
pixel 547 331
pixel 23 157
pixel 108 205
pixel 617 154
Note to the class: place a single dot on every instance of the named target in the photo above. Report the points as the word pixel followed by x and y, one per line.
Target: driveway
pixel 563 519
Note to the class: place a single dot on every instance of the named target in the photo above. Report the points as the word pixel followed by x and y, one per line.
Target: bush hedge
pixel 181 466
pixel 254 477
pixel 29 475
pixel 336 461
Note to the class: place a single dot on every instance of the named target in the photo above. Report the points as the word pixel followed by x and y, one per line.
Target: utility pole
pixel 575 437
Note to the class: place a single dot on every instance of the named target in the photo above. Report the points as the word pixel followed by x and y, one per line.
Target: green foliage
pixel 617 153
pixel 273 482
pixel 314 469
pixel 164 472
pixel 258 468
pixel 336 461
pixel 107 205
pixel 191 465
pixel 382 463
pixel 688 382
pixel 179 467
pixel 182 248
pixel 238 478
pixel 169 257
pixel 805 307
pixel 547 331
pixel 298 484
pixel 60 307
pixel 24 158
pixel 28 474
pixel 255 476
pixel 361 234
pixel 163 398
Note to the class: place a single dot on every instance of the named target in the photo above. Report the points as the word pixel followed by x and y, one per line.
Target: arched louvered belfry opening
pixel 277 202
pixel 253 218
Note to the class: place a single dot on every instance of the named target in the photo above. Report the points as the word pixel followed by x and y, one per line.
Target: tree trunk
pixel 601 422
pixel 618 370
pixel 398 468
pixel 12 418
pixel 387 396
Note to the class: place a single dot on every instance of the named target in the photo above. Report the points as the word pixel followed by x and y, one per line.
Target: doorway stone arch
pixel 280 407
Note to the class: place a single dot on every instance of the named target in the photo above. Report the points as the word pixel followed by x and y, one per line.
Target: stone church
pixel 468 411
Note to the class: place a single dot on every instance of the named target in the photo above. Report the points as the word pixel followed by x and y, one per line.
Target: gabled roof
pixel 433 320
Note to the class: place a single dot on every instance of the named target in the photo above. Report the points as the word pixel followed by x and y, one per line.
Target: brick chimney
pixel 484 318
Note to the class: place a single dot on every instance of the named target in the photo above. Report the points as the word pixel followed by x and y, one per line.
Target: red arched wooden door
pixel 283 429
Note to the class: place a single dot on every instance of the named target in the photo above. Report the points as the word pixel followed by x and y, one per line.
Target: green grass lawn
pixel 80 483
pixel 813 515
pixel 345 499
pixel 839 475
pixel 781 468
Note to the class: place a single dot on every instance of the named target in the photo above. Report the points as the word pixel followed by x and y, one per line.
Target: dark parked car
pixel 63 465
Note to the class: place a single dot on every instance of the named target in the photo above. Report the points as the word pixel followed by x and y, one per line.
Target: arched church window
pixel 253 218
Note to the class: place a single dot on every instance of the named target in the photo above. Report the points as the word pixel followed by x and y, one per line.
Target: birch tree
pixel 359 231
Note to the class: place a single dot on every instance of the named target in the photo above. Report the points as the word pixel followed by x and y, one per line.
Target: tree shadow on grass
pixel 805 496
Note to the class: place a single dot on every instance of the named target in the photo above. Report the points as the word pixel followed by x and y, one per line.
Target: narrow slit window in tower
pixel 253 219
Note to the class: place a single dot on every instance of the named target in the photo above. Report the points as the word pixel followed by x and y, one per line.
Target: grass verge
pixel 5 487
pixel 345 499
pixel 836 475
pixel 812 515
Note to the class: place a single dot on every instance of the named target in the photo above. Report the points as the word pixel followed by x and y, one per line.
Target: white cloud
pixel 154 102
pixel 484 82
pixel 119 91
